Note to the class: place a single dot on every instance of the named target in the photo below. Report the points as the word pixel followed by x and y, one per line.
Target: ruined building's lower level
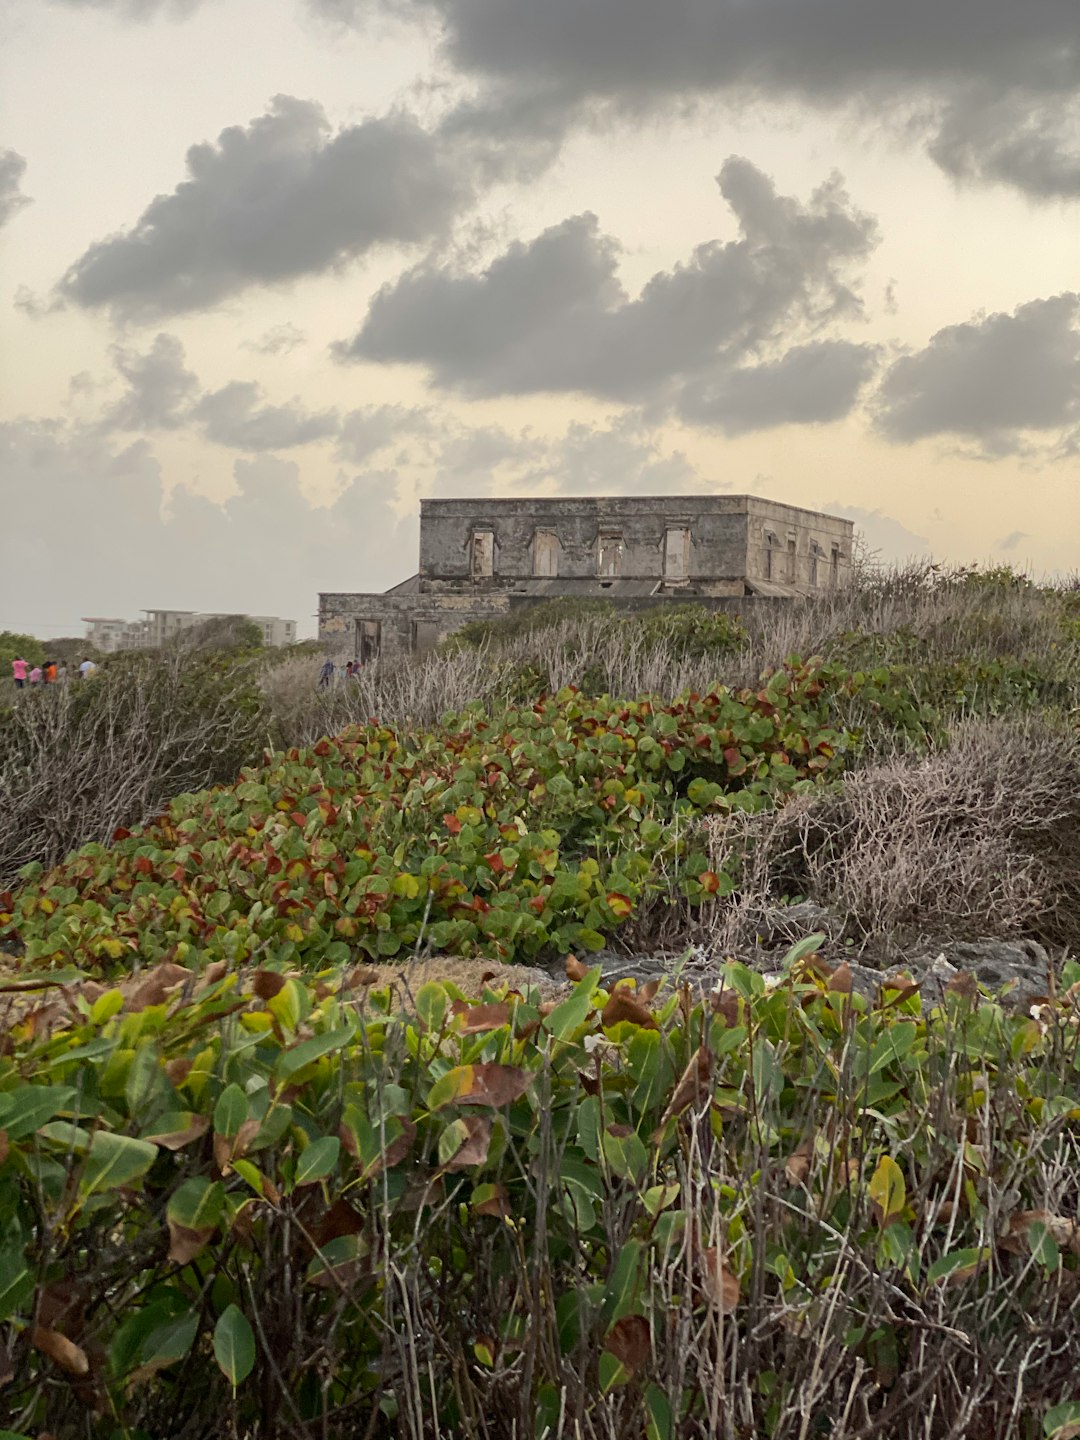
pixel 482 559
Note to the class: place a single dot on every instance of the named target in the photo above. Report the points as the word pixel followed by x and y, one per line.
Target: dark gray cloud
pixel 123 546
pixel 366 431
pixel 12 200
pixel 1012 540
pixel 552 315
pixel 278 340
pixel 990 380
pixel 282 197
pixel 160 388
pixel 238 416
pixel 809 385
pixel 163 394
pixel 968 76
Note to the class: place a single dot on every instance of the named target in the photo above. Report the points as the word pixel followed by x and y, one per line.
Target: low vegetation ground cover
pixel 256 1203
pixel 242 1192
pixel 535 829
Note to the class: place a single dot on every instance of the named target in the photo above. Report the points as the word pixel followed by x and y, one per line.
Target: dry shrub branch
pixel 980 838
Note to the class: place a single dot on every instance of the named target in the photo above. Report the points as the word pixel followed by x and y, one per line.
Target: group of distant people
pixel 49 672
pixel 349 671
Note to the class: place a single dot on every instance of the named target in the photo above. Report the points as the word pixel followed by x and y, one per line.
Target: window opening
pixel 483 554
pixel 609 553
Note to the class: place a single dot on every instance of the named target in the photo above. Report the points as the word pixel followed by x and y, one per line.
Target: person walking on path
pixel 87 668
pixel 19 667
pixel 50 672
pixel 326 675
pixel 35 675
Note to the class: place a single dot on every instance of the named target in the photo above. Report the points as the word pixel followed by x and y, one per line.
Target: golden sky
pixel 271 272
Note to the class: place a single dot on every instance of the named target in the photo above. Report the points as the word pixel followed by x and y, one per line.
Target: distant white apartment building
pixel 109 634
pixel 160 626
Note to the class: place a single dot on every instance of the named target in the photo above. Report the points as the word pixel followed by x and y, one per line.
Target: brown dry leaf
pixel 185 1244
pixel 1060 1228
pixel 474 1150
pixel 177 1139
pixel 477 1019
pixel 398 1148
pixel 178 1070
pixel 267 983
pixel 965 985
pixel 498 1203
pixel 340 1219
pixel 725 1004
pixel 495 1085
pixel 223 1153
pixel 693 1083
pixel 840 981
pixel 797 1165
pixel 650 990
pixel 154 986
pixel 59 1348
pixel 214 972
pixel 622 1005
pixel 575 968
pixel 721 1284
pixel 630 1341
pixel 361 976
pixel 5 1146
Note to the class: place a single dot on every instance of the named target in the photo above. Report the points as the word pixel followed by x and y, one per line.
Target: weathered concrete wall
pixel 717 525
pixel 481 558
pixel 403 618
pixel 816 536
pixel 407 622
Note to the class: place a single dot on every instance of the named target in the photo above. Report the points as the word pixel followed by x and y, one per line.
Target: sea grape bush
pixel 538 828
pixel 251 1202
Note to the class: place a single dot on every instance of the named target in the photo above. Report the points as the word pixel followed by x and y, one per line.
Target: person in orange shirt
pixel 50 672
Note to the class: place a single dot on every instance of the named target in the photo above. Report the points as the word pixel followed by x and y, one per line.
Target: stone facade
pixel 481 559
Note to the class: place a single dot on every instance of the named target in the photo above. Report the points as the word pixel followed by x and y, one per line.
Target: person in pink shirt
pixel 35 675
pixel 18 669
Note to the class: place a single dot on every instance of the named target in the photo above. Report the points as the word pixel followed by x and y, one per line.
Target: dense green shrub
pixel 246 1203
pixel 540 828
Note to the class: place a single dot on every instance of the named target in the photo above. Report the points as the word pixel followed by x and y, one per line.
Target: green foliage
pixel 528 1202
pixel 16 647
pixel 542 828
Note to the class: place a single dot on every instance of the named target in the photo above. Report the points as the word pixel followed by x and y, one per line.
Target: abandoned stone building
pixel 482 559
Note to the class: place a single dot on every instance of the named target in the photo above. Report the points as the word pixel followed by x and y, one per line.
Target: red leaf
pixel 494 1085
pixel 630 1341
pixel 693 1083
pixel 267 983
pixel 477 1019
pixel 709 881
pixel 121 834
pixel 59 1348
pixel 498 1203
pixel 453 824
pixel 721 1284
pixel 474 1150
pixel 185 1244
pixel 622 1006
pixel 840 980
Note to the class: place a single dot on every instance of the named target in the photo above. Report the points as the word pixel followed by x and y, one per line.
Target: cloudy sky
pixel 271 272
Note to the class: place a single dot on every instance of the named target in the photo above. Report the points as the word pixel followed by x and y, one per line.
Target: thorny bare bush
pixel 978 839
pixel 919 614
pixel 79 760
